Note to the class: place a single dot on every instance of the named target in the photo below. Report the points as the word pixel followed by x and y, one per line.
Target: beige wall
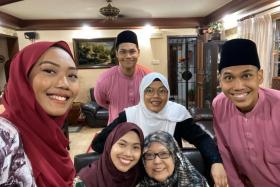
pixel 151 48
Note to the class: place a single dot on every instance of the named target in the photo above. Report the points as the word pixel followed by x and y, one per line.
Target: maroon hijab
pixel 43 140
pixel 103 173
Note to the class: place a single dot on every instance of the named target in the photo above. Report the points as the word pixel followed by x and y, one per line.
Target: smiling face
pixel 155 96
pixel 126 152
pixel 127 54
pixel 240 84
pixel 54 81
pixel 157 168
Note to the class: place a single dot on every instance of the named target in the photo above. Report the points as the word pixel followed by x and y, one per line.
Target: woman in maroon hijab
pixel 118 165
pixel 41 88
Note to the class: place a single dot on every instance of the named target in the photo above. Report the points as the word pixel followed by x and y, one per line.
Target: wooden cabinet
pixel 276 58
pixel 207 71
pixel 276 50
pixel 275 83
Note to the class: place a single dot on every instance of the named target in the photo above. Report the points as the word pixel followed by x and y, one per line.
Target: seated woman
pixel 155 112
pixel 119 164
pixel 40 90
pixel 161 156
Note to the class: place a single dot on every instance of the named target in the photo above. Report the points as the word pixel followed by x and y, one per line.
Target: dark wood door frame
pixel 12 48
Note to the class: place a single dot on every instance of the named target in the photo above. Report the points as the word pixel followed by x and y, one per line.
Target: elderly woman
pixel 155 112
pixel 161 156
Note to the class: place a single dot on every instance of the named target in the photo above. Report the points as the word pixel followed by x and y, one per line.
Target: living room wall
pixel 153 48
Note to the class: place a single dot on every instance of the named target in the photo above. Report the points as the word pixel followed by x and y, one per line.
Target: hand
pixel 219 175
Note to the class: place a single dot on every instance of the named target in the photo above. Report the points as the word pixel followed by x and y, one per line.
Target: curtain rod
pixel 256 13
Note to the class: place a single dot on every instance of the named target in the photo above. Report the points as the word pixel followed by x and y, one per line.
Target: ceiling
pixel 89 9
pixel 40 14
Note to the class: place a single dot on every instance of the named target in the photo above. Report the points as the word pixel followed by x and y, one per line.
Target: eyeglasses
pixel 152 156
pixel 161 92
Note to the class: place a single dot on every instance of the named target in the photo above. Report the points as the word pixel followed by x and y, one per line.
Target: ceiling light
pixel 109 11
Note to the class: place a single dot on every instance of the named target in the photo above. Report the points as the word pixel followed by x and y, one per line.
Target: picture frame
pixel 95 53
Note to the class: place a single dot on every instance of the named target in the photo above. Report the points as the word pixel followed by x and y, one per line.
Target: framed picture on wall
pixel 94 53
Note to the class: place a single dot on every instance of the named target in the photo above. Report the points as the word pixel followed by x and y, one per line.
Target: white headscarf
pixel 164 120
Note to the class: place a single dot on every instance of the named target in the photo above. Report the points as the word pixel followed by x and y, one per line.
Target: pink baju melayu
pixel 115 91
pixel 249 143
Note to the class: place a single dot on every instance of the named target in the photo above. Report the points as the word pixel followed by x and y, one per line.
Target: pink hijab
pixel 42 137
pixel 103 173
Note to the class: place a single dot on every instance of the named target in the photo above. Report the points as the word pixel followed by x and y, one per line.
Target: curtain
pixel 260 30
pixel 245 28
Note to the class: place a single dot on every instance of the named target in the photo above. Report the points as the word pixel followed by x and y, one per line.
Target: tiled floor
pixel 80 141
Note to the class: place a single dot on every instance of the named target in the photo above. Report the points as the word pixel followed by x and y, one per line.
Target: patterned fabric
pixel 15 168
pixel 184 175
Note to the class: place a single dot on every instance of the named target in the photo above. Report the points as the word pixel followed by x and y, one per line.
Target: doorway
pixel 8 48
pixel 182 69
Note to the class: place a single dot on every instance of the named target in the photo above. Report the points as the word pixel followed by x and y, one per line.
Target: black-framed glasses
pixel 161 91
pixel 152 156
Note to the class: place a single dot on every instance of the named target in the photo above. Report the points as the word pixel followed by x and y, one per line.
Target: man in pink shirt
pixel 247 119
pixel 118 87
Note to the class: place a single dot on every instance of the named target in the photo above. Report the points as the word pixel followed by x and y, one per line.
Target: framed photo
pixel 95 53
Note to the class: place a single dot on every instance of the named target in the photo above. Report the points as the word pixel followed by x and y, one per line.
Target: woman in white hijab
pixel 155 112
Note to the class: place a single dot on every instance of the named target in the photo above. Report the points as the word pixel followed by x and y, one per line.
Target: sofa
pixel 95 115
pixel 202 117
pixel 192 154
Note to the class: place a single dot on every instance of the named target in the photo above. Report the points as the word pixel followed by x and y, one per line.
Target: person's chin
pixel 244 107
pixel 155 110
pixel 56 109
pixel 160 179
pixel 124 168
pixel 57 112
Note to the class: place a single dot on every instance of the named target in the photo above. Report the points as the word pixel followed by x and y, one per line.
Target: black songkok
pixel 239 52
pixel 126 37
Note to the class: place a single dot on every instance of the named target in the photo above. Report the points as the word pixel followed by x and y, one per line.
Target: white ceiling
pixel 89 9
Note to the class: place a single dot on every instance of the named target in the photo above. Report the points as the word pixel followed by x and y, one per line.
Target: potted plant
pixel 214 29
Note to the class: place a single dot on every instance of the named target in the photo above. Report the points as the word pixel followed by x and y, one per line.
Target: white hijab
pixel 164 120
